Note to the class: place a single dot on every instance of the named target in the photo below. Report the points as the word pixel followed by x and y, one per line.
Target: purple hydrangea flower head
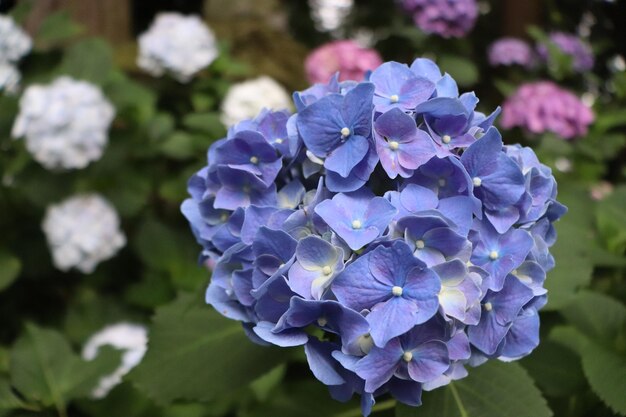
pixel 446 18
pixel 397 241
pixel 572 45
pixel 543 106
pixel 511 51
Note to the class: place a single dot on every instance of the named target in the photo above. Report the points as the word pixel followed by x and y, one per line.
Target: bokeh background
pixel 196 364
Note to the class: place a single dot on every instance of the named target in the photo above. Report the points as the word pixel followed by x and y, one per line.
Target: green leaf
pixel 462 70
pixel 179 145
pixel 57 28
pixel 90 60
pixel 10 268
pixel 597 316
pixel 44 369
pixel 165 249
pixel 495 389
pixel 572 251
pixel 555 369
pixel 196 354
pixel 265 384
pixel 606 373
pixel 208 123
pixel 8 399
pixel 611 221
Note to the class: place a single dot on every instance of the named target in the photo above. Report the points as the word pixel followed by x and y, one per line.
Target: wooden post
pixel 519 14
pixel 107 18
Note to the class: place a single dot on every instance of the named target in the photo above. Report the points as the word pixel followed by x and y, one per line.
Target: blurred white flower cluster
pixel 177 44
pixel 246 99
pixel 330 15
pixel 82 231
pixel 128 337
pixel 65 123
pixel 14 44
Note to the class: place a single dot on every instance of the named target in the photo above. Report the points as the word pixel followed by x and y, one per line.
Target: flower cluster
pixel 329 15
pixel 65 123
pixel 545 107
pixel 246 99
pixel 446 18
pixel 511 51
pixel 572 45
pixel 82 231
pixel 348 57
pixel 14 44
pixel 384 226
pixel 177 44
pixel 128 337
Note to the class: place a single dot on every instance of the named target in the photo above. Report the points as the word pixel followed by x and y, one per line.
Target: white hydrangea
pixel 9 78
pixel 177 44
pixel 132 339
pixel 14 44
pixel 246 99
pixel 65 123
pixel 82 231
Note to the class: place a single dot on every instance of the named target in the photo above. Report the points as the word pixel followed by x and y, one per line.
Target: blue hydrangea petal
pixel 347 155
pixel 357 289
pixel 523 336
pixel 321 363
pixel 430 360
pixel 289 338
pixel 392 318
pixel 424 67
pixel 379 365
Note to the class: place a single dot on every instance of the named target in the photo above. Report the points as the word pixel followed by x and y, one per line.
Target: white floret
pixel 132 339
pixel 245 100
pixel 14 42
pixel 65 124
pixel 82 231
pixel 9 78
pixel 177 44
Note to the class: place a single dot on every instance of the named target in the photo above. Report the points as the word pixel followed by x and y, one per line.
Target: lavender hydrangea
pixel 543 106
pixel 511 51
pixel 446 18
pixel 388 215
pixel 572 45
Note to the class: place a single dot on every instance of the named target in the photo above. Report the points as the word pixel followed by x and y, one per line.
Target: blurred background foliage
pixel 200 364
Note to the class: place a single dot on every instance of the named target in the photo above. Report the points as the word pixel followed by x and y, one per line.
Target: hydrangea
pixel 387 215
pixel 177 44
pixel 329 15
pixel 14 44
pixel 9 77
pixel 130 338
pixel 511 51
pixel 348 57
pixel 446 18
pixel 65 123
pixel 246 99
pixel 543 106
pixel 82 231
pixel 572 45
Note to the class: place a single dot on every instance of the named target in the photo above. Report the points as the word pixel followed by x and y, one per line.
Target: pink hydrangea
pixel 349 58
pixel 543 106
